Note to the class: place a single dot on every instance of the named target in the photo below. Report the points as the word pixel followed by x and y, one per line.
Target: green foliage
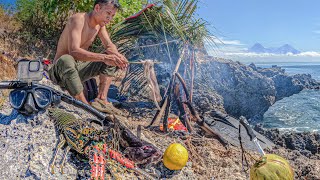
pixel 129 7
pixel 35 20
pixel 45 19
pixel 168 20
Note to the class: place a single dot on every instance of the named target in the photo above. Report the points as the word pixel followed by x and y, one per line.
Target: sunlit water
pixel 300 112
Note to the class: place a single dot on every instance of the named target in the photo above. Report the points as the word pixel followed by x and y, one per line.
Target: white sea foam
pixel 298 113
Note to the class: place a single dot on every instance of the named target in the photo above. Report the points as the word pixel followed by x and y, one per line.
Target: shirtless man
pixel 74 64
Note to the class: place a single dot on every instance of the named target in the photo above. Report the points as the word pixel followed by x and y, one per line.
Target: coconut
pixel 271 167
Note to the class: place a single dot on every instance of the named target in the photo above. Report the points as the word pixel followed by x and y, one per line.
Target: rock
pixel 205 100
pixel 27 149
pixel 306 143
pixel 307 81
pixel 245 92
pixel 253 66
pixel 286 86
pixel 238 89
pixel 271 72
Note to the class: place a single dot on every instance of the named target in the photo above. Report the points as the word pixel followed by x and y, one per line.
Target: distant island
pixel 285 49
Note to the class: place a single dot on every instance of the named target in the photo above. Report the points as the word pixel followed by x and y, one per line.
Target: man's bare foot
pixel 106 107
pixel 81 97
pixel 103 101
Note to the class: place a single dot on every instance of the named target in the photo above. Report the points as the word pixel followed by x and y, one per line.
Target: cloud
pixel 243 57
pixel 222 41
pixel 223 46
pixel 317 31
pixel 244 54
pixel 236 49
pixel 310 54
pixel 246 57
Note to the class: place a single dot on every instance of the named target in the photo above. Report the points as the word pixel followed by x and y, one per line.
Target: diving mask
pixel 30 101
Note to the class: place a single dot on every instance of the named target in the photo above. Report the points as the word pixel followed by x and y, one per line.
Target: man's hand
pixel 114 60
pixel 120 57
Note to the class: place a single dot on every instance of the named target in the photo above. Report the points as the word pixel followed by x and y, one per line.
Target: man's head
pixel 105 10
pixel 115 3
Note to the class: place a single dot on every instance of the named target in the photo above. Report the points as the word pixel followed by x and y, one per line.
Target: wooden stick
pixel 184 86
pixel 166 115
pixel 199 121
pixel 156 62
pixel 179 62
pixel 190 129
pixel 192 74
pixel 183 116
pixel 159 113
pixel 169 92
pixel 165 99
pixel 204 126
pixel 152 45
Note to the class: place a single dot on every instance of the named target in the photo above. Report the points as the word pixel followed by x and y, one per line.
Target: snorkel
pixel 29 97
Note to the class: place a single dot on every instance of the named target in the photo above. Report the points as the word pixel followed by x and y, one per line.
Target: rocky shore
pixel 301 149
pixel 247 90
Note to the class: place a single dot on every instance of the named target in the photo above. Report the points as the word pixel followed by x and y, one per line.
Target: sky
pixel 238 25
pixel 272 23
pixel 7 1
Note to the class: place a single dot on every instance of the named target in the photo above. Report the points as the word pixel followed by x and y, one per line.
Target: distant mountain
pixel 257 48
pixel 285 49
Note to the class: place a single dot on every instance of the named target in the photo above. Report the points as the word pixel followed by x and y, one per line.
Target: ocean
pixel 300 112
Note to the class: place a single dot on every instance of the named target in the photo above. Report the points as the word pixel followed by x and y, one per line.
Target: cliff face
pixel 284 84
pixel 247 90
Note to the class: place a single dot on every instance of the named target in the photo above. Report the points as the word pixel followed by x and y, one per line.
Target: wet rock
pixel 271 72
pixel 286 86
pixel 307 81
pixel 306 143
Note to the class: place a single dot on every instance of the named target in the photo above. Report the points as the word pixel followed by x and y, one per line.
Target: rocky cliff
pixel 247 90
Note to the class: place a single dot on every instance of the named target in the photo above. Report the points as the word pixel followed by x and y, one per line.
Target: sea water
pixel 299 112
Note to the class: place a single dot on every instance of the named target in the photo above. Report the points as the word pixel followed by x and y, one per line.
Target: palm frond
pixel 169 20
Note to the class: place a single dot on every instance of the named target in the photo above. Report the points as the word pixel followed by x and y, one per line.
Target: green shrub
pixel 45 19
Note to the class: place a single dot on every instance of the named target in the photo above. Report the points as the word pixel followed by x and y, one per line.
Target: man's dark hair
pixel 114 2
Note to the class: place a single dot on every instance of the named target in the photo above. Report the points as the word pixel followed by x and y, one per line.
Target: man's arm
pixel 109 46
pixel 106 41
pixel 76 24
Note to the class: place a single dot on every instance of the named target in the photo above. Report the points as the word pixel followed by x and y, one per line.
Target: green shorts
pixel 70 73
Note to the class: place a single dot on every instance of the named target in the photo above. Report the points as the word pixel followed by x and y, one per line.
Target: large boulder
pixel 286 86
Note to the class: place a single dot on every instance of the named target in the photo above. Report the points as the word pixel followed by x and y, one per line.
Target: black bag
pixel 90 89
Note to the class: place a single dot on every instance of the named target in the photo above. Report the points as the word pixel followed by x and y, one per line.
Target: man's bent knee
pixel 66 61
